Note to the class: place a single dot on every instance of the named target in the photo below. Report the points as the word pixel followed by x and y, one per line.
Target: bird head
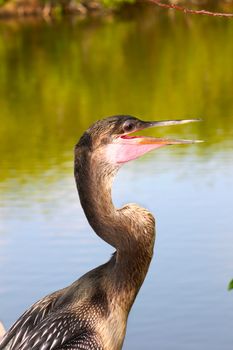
pixel 112 138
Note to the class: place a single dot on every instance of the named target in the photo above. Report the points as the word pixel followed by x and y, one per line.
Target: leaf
pixel 230 286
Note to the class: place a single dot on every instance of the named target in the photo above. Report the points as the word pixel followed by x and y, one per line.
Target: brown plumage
pixel 92 312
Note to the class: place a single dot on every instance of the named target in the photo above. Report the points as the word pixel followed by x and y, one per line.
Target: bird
pixel 92 312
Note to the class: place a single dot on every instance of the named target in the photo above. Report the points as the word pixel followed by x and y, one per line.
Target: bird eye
pixel 128 126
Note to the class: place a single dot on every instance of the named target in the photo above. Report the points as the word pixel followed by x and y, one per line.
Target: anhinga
pixel 92 312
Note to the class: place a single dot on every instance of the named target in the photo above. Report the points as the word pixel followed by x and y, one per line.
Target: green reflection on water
pixel 57 78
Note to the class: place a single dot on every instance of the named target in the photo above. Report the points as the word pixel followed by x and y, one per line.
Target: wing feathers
pixel 53 332
pixel 33 316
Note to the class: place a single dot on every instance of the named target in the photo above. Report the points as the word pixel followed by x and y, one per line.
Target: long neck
pixel 129 229
pixel 94 181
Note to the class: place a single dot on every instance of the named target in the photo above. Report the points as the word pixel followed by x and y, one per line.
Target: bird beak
pixel 145 140
pixel 126 147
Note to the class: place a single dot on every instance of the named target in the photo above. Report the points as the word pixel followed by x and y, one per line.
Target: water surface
pixel 56 79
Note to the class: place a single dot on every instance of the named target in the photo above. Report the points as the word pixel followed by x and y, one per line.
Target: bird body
pixel 94 309
pixel 92 312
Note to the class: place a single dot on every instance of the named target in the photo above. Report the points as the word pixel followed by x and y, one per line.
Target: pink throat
pixel 127 148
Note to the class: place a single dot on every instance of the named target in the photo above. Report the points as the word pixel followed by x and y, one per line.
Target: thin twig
pixel 193 12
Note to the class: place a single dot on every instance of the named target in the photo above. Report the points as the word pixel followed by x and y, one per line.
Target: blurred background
pixel 57 77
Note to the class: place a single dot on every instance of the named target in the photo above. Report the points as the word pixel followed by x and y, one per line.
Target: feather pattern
pixel 54 332
pixel 31 318
pixel 59 330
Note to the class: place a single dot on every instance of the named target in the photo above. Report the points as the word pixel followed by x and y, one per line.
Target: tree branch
pixel 193 12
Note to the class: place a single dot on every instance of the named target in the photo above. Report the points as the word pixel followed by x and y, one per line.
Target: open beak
pixel 126 147
pixel 145 140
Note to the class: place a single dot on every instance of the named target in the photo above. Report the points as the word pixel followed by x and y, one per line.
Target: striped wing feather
pixel 42 327
pixel 53 332
pixel 28 321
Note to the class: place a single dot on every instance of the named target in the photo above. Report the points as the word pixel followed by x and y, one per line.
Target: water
pixel 56 79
